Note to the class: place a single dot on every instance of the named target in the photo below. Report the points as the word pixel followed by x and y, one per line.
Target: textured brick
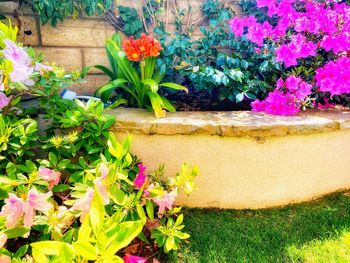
pixel 68 58
pixel 95 56
pixel 8 7
pixel 29 24
pixel 80 32
pixel 92 82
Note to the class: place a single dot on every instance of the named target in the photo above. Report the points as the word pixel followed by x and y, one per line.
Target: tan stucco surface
pixel 243 172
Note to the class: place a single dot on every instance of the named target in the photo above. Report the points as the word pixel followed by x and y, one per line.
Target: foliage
pixel 74 193
pixel 140 86
pixel 219 66
pixel 310 41
pixel 53 11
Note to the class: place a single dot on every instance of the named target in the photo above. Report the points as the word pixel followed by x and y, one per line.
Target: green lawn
pixel 312 232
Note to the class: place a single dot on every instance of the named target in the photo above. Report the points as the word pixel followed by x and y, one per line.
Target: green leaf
pixel 48 247
pixel 106 91
pixel 21 251
pixel 167 105
pixel 85 229
pixel 150 209
pixel 152 84
pixel 86 250
pixel 60 188
pixel 174 86
pixel 106 71
pixel 124 233
pixel 157 104
pixel 117 103
pixel 16 232
pixel 97 212
pixel 52 158
pixel 239 97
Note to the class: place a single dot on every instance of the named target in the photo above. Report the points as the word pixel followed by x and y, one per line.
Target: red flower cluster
pixel 139 49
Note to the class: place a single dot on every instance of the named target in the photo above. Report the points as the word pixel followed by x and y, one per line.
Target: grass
pixel 313 232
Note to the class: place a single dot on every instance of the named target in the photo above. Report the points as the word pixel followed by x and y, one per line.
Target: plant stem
pixel 142 68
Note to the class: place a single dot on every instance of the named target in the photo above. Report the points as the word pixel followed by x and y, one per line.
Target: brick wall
pixel 74 44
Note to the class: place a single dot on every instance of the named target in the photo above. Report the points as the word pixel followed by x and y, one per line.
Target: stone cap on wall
pixel 230 124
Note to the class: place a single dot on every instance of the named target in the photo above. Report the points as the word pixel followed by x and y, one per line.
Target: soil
pixel 197 100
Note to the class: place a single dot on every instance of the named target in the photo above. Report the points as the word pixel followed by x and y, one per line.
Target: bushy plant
pixel 140 86
pixel 310 40
pixel 74 193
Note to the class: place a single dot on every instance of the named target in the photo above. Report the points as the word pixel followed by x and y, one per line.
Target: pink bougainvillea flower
pixel 35 202
pixel 50 176
pixel 141 176
pixel 84 204
pixel 4 100
pixel 42 68
pixel 3 239
pixel 12 210
pixel 133 259
pixel 165 201
pixel 21 63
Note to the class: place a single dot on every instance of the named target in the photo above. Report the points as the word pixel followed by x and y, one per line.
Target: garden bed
pixel 247 159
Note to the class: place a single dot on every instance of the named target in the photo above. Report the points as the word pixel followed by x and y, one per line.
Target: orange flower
pixel 131 49
pixel 139 49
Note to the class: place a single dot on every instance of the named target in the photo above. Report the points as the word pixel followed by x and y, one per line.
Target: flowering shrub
pixel 141 88
pixel 73 193
pixel 311 40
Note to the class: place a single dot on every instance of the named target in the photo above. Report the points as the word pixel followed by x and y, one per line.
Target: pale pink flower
pixel 4 100
pixel 101 187
pixel 21 62
pixel 2 87
pixel 42 68
pixel 12 210
pixel 103 170
pixel 84 204
pixel 35 202
pixel 133 259
pixel 50 176
pixel 3 239
pixel 5 259
pixel 141 176
pixel 165 201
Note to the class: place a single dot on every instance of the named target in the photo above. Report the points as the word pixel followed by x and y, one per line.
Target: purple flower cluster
pixel 304 28
pixel 334 77
pixel 285 99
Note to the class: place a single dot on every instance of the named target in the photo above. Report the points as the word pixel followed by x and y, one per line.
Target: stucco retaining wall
pixel 246 160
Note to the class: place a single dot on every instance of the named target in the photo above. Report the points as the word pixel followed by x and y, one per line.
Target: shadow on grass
pixel 273 235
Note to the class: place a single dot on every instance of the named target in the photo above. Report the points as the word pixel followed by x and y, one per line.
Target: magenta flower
pixel 35 202
pixel 141 176
pixel 84 204
pixel 12 210
pixel 4 100
pixel 258 106
pixel 50 176
pixel 133 259
pixel 21 63
pixel 3 239
pixel 165 201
